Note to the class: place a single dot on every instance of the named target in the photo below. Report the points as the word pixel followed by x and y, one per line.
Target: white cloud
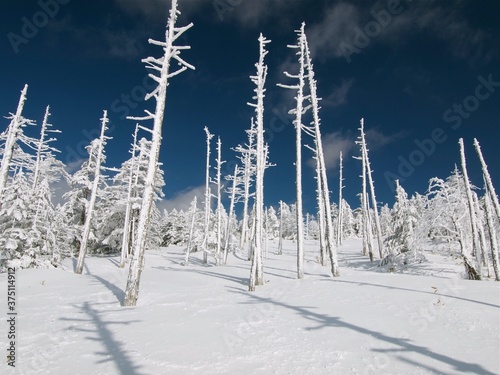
pixel 338 141
pixel 333 143
pixel 337 26
pixel 338 96
pixel 103 41
pixel 375 139
pixel 182 199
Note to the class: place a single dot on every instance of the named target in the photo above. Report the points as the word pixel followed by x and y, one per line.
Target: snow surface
pixel 201 319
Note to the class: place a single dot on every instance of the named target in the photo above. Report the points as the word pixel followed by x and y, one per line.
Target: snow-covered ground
pixel 202 320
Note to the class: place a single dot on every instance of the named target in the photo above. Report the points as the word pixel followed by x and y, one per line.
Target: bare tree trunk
pixel 219 201
pixel 489 184
pixel 161 65
pixel 231 214
pixel 256 273
pixel 372 191
pixel 127 227
pixel 12 135
pixel 280 239
pixel 492 234
pixel 93 196
pixel 208 198
pixel 472 215
pixel 339 224
pixel 191 230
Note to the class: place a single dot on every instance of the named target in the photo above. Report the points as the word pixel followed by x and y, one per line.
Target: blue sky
pixel 421 73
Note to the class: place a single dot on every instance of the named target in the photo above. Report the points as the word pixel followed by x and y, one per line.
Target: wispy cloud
pixel 338 95
pixel 338 141
pixel 110 42
pixel 182 199
pixel 337 25
pixel 333 143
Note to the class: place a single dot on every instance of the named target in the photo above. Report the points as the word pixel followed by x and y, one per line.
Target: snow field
pixel 200 319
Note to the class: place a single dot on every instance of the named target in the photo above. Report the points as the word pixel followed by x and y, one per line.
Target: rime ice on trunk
pixel 43 147
pixel 340 219
pixel 220 208
pixel 160 66
pixel 487 180
pixel 492 234
pixel 472 215
pixel 256 270
pixel 233 191
pixel 93 196
pixel 280 238
pixel 298 111
pixel 364 150
pixel 208 198
pixel 191 229
pixel 247 158
pixel 329 232
pixel 12 136
pixel 127 226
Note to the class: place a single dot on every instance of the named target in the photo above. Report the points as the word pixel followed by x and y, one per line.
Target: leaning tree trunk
pixel 162 66
pixel 93 197
pixel 472 215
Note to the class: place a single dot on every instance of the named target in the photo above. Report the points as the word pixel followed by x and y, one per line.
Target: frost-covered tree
pixel 298 111
pixel 280 235
pixel 160 66
pixel 220 207
pixel 247 157
pixel 99 158
pixel 256 269
pixel 366 227
pixel 340 219
pixel 208 198
pixel 127 225
pixel 364 155
pixel 31 228
pixel 490 190
pixel 321 166
pixel 447 218
pixel 234 192
pixel 192 228
pixel 492 234
pixel 476 249
pixel 10 138
pixel 385 220
pixel 43 148
pixel 403 222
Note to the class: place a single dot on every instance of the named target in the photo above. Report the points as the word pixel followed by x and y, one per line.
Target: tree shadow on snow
pixel 100 331
pixel 402 345
pixel 236 279
pixel 361 283
pixel 117 292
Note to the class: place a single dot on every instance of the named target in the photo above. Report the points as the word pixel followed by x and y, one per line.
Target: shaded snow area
pixel 200 319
